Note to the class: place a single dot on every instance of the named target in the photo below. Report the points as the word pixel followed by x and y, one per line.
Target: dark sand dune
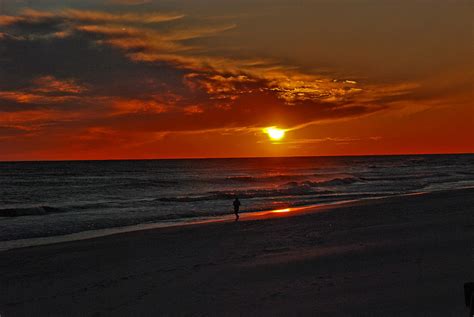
pixel 403 256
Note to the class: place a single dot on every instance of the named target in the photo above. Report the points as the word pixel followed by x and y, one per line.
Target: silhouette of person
pixel 236 204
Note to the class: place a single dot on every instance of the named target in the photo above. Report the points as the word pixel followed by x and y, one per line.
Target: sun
pixel 274 133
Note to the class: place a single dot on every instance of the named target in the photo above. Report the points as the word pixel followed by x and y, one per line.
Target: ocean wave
pixel 408 177
pixel 46 210
pixel 270 178
pixel 247 194
pixel 282 177
pixel 288 189
pixel 29 211
pixel 331 182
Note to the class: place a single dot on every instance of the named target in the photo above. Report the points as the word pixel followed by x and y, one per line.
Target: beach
pixel 399 256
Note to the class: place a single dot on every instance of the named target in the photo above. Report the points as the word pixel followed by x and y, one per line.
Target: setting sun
pixel 274 133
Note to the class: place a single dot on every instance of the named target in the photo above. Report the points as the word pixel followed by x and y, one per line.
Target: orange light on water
pixel 282 210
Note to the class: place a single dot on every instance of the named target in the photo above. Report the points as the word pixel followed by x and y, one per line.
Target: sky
pixel 143 79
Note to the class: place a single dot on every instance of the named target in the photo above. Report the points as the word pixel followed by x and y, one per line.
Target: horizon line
pixel 225 158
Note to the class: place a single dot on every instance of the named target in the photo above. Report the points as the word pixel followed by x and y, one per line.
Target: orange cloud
pixel 97 16
pixel 86 16
pixel 190 110
pixel 34 119
pixel 129 2
pixel 8 20
pixel 122 106
pixel 45 90
pixel 30 97
pixel 50 84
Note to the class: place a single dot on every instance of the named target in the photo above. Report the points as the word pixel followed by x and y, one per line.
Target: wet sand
pixel 400 256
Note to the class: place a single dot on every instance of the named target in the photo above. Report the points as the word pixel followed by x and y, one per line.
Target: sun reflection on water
pixel 282 210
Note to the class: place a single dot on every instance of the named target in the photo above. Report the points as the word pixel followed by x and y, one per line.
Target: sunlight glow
pixel 282 210
pixel 274 133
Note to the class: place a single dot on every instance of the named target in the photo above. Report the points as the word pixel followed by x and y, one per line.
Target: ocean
pixel 44 199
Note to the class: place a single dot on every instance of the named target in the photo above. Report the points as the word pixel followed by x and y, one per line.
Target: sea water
pixel 43 199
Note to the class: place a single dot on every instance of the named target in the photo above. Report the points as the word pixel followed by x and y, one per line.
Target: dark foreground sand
pixel 404 256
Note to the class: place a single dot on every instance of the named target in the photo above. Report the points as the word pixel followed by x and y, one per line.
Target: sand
pixel 401 256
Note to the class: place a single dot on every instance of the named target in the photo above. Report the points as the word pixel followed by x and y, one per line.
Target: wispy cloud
pixel 86 16
pixel 336 140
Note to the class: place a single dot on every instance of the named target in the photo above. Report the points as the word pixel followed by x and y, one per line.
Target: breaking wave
pixel 30 211
pixel 288 189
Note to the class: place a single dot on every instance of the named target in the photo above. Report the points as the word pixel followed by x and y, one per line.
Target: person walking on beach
pixel 236 204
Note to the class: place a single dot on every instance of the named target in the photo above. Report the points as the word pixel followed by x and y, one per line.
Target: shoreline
pixel 246 216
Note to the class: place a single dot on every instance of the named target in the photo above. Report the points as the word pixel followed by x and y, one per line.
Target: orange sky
pixel 161 79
